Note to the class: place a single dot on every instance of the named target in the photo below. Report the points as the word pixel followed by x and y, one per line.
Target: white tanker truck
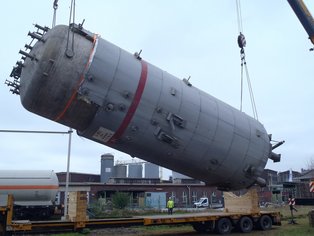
pixel 34 192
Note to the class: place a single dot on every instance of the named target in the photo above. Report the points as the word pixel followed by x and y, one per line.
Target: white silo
pixel 151 171
pixel 135 170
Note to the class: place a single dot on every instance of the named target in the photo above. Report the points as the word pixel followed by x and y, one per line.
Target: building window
pixel 194 196
pixel 87 197
pixel 173 196
pixel 184 197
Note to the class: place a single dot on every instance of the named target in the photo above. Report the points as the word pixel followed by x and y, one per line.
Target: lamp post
pixel 67 176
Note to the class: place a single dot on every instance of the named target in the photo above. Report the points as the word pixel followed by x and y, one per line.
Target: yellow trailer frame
pixel 202 222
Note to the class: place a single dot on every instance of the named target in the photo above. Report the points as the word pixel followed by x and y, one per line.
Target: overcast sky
pixel 185 38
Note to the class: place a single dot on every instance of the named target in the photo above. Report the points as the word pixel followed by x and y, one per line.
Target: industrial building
pixel 142 182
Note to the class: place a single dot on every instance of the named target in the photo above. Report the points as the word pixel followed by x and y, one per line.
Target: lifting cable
pixel 69 48
pixel 242 43
pixel 55 7
pixel 70 52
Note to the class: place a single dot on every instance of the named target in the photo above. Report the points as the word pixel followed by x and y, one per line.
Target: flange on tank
pixel 118 99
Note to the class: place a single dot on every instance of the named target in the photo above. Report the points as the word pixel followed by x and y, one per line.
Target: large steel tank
pixel 151 171
pixel 119 171
pixel 176 175
pixel 118 99
pixel 30 187
pixel 135 170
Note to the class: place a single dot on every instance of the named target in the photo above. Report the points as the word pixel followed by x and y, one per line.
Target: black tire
pixel 265 223
pixel 205 227
pixel 245 224
pixel 223 226
pixel 2 230
pixel 2 224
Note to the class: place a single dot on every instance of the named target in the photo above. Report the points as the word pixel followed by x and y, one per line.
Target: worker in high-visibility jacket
pixel 170 206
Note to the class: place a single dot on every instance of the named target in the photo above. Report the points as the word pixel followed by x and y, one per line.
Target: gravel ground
pixel 128 231
pixel 142 231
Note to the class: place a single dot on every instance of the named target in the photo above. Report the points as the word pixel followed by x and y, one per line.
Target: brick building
pixel 184 193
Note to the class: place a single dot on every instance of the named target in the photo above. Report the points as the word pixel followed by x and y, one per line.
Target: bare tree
pixel 310 163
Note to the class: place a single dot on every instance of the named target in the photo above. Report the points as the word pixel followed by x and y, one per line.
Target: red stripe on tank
pixel 27 187
pixel 74 93
pixel 132 109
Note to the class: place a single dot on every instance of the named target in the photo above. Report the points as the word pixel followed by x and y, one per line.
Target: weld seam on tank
pixel 90 59
pixel 126 95
pixel 135 102
pixel 233 137
pixel 197 120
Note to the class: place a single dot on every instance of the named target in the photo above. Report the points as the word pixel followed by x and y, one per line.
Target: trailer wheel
pixel 265 223
pixel 245 224
pixel 223 226
pixel 203 227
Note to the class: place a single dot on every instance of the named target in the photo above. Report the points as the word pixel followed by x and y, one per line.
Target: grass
pixel 301 228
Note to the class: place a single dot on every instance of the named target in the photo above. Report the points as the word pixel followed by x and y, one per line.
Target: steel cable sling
pixel 242 43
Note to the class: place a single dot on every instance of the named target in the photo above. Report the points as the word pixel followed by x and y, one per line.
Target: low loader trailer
pixel 243 216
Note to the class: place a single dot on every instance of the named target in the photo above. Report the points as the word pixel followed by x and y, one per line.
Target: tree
pixel 120 200
pixel 310 163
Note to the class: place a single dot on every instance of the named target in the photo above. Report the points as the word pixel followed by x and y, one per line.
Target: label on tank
pixel 103 134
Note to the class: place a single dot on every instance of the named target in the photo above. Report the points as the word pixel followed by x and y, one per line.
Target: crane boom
pixel 304 16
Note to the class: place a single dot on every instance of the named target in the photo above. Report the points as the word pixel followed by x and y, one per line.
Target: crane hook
pixel 55 4
pixel 241 41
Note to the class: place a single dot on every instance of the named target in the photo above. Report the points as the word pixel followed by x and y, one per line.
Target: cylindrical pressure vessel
pixel 30 187
pixel 118 99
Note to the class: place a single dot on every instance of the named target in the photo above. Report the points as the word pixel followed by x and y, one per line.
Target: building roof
pixel 308 175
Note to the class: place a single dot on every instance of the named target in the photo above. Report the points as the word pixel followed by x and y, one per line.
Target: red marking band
pixel 136 100
pixel 27 187
pixel 73 96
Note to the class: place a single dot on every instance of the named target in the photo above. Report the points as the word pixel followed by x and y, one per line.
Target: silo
pixel 151 171
pixel 135 170
pixel 106 167
pixel 119 171
pixel 176 175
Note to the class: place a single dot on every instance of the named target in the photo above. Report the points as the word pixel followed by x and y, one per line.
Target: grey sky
pixel 184 38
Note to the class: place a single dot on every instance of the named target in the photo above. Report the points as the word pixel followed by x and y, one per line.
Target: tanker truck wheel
pixel 2 224
pixel 1 229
